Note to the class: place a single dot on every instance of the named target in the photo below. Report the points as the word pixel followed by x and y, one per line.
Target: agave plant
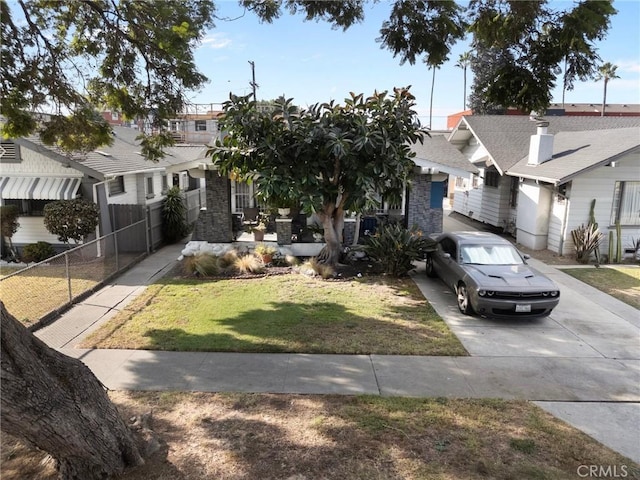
pixel 395 248
pixel 586 240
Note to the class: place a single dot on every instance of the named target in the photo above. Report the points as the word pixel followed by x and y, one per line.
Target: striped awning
pixel 39 188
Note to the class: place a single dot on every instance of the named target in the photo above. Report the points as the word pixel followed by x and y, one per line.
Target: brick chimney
pixel 541 145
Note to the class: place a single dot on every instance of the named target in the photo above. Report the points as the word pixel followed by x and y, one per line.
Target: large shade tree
pixel 55 403
pixel 330 158
pixel 529 42
pixel 137 57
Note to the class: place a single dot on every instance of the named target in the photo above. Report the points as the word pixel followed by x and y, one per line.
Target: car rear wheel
pixel 464 304
pixel 431 272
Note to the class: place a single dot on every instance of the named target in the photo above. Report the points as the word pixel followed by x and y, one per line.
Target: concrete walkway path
pixel 582 363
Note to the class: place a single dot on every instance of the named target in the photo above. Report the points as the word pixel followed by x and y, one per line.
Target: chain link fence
pixel 41 291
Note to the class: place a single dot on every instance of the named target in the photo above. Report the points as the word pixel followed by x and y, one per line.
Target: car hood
pixel 508 276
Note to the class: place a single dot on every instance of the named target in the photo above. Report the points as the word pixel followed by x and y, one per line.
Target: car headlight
pixel 486 293
pixel 555 293
pixel 545 294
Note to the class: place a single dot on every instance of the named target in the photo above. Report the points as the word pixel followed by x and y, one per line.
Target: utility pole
pixel 253 83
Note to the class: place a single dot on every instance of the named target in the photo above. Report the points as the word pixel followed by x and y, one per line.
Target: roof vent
pixel 104 154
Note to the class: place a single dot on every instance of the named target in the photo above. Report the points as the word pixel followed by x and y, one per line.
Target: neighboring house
pixel 561 177
pixel 33 174
pixel 436 160
pixel 421 206
pixel 197 125
pixel 496 144
pixel 567 109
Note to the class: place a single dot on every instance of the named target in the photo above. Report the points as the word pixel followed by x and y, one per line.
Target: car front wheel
pixel 431 272
pixel 464 303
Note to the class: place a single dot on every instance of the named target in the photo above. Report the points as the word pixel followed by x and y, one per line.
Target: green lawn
pixel 620 282
pixel 284 313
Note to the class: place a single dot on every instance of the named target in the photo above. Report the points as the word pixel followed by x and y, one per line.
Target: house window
pixel 243 197
pixel 114 116
pixel 149 187
pixel 116 186
pixel 9 152
pixel 626 204
pixel 513 191
pixel 28 208
pixel 474 181
pixel 201 125
pixel 165 184
pixel 491 177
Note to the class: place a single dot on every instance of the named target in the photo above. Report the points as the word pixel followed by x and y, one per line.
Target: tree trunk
pixel 604 98
pixel 333 224
pixel 55 403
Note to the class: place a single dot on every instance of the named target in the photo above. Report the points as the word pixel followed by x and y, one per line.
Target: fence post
pixel 115 247
pixel 66 263
pixel 147 230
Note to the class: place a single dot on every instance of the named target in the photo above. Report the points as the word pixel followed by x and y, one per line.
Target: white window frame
pixel 626 194
pixel 148 187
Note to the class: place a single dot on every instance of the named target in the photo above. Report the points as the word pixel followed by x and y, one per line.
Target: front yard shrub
pixel 71 219
pixel 201 264
pixel 586 240
pixel 395 248
pixel 174 216
pixel 8 226
pixel 37 252
pixel 249 264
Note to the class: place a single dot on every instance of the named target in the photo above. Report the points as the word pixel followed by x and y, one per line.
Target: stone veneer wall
pixel 419 210
pixel 215 224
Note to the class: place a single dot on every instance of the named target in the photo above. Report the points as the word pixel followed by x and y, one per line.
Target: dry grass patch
pixel 246 436
pixel 283 313
pixel 620 282
pixel 34 292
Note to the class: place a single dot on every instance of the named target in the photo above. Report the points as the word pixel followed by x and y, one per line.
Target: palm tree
pixel 463 62
pixel 606 72
pixel 433 82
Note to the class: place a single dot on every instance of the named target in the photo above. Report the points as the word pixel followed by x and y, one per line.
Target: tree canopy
pixel 70 57
pixel 329 159
pixel 67 58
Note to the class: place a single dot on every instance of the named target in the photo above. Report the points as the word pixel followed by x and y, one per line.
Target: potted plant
pixel 318 232
pixel 258 231
pixel 265 252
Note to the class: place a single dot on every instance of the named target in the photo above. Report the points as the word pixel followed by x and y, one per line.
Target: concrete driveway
pixel 582 362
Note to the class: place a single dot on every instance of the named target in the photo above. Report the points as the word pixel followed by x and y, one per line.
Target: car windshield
pixel 490 255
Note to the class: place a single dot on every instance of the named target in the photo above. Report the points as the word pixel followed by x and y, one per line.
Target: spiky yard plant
pixel 586 240
pixel 395 248
pixel 201 264
pixel 249 264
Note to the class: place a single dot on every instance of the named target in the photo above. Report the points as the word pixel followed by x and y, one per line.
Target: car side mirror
pixel 447 256
pixel 526 256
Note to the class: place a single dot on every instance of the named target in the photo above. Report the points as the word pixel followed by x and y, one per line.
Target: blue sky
pixel 311 63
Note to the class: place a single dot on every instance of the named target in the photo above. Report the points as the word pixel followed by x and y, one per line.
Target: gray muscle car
pixel 490 276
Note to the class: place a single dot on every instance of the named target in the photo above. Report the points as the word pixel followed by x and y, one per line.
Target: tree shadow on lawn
pixel 318 327
pixel 273 436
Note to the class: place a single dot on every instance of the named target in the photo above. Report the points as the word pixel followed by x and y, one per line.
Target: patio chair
pixel 250 216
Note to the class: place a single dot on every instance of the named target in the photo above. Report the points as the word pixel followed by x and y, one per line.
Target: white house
pixel 33 174
pixel 564 173
pixel 496 144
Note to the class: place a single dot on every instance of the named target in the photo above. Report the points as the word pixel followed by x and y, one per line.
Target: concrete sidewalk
pixel 593 386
